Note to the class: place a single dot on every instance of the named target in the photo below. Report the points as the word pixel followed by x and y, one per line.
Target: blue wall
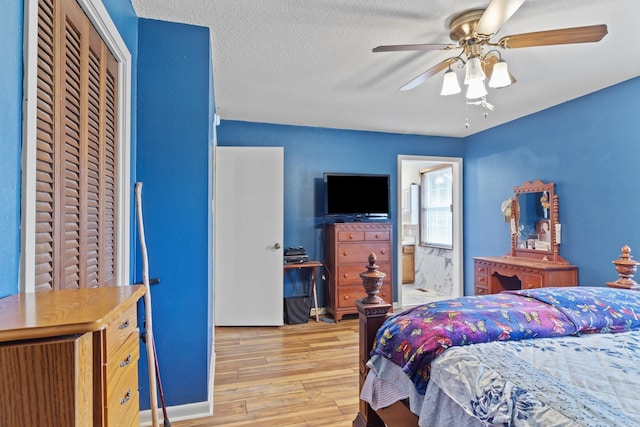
pixel 589 147
pixel 308 153
pixel 10 143
pixel 174 128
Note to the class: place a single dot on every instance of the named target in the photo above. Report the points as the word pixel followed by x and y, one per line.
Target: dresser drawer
pixel 376 235
pixel 359 253
pixel 118 331
pixel 348 294
pixel 350 236
pixel 119 367
pixel 530 281
pixel 480 290
pixel 480 270
pixel 482 281
pixel 122 409
pixel 350 274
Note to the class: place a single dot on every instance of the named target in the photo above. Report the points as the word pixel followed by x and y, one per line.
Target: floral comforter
pixel 414 338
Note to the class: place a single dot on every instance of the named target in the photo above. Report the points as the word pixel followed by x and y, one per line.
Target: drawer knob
pixel 345 253
pixel 377 236
pixel 382 251
pixel 124 325
pixel 346 297
pixel 126 361
pixel 351 236
pixel 126 397
pixel 345 275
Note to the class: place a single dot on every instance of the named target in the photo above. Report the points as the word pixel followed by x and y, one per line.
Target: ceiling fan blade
pixel 496 14
pixel 403 47
pixel 588 34
pixel 429 73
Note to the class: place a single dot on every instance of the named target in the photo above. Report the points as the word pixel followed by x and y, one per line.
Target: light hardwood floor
pixel 294 375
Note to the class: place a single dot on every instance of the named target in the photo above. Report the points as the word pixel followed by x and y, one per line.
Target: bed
pixel 538 357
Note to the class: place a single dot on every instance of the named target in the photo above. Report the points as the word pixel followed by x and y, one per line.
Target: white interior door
pixel 249 222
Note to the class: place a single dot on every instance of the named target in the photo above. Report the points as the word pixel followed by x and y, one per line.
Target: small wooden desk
pixel 313 265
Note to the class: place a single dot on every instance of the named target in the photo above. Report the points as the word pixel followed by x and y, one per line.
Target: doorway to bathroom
pixel 427 272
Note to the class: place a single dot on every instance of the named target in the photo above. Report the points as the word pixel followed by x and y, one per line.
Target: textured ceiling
pixel 310 62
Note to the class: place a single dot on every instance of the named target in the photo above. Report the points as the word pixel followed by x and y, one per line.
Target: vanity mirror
pixel 535 230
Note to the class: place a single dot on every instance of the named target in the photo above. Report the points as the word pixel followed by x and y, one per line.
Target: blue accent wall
pixel 11 18
pixel 174 128
pixel 590 148
pixel 308 153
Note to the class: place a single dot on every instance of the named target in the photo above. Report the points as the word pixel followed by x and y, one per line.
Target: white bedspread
pixel 591 380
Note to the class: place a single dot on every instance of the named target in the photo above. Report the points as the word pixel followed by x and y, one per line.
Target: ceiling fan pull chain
pixel 466 121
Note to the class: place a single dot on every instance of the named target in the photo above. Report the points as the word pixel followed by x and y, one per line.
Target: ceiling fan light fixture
pixel 450 85
pixel 476 89
pixel 473 71
pixel 500 76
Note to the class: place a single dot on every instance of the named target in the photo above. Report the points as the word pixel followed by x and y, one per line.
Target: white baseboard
pixel 178 413
pixel 187 411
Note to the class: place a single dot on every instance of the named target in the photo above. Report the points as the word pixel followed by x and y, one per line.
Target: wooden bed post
pixel 372 311
pixel 371 317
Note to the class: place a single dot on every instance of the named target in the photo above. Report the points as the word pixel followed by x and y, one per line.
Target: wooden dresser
pixel 70 358
pixel 347 248
pixel 497 274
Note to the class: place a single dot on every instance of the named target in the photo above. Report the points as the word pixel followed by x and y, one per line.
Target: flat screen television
pixel 354 197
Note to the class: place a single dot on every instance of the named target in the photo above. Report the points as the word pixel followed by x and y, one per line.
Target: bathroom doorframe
pixel 458 250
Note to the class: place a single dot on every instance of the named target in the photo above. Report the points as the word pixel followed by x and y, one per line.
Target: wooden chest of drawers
pixel 347 249
pixel 70 358
pixel 496 274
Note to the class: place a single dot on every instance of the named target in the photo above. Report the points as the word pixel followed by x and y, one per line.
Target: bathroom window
pixel 436 207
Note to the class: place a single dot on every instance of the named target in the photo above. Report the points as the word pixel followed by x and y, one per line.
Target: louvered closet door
pixel 77 151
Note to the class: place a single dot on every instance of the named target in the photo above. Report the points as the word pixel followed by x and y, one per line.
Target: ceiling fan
pixel 472 31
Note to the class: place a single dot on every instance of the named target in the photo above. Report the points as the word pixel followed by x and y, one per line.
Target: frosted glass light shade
pixel 476 89
pixel 473 70
pixel 500 76
pixel 450 85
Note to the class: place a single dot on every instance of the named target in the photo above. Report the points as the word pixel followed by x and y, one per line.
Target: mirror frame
pixel 536 187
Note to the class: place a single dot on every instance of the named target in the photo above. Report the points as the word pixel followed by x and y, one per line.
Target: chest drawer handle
pixel 126 361
pixel 345 275
pixel 124 325
pixel 126 397
pixel 382 251
pixel 345 253
pixel 346 297
pixel 351 236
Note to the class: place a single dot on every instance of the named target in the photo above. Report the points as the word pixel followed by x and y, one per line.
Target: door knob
pixel 276 246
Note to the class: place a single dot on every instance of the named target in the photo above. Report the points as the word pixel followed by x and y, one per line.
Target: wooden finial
pixel 626 268
pixel 372 281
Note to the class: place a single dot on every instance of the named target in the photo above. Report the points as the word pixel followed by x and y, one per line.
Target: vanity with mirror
pixel 534 260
